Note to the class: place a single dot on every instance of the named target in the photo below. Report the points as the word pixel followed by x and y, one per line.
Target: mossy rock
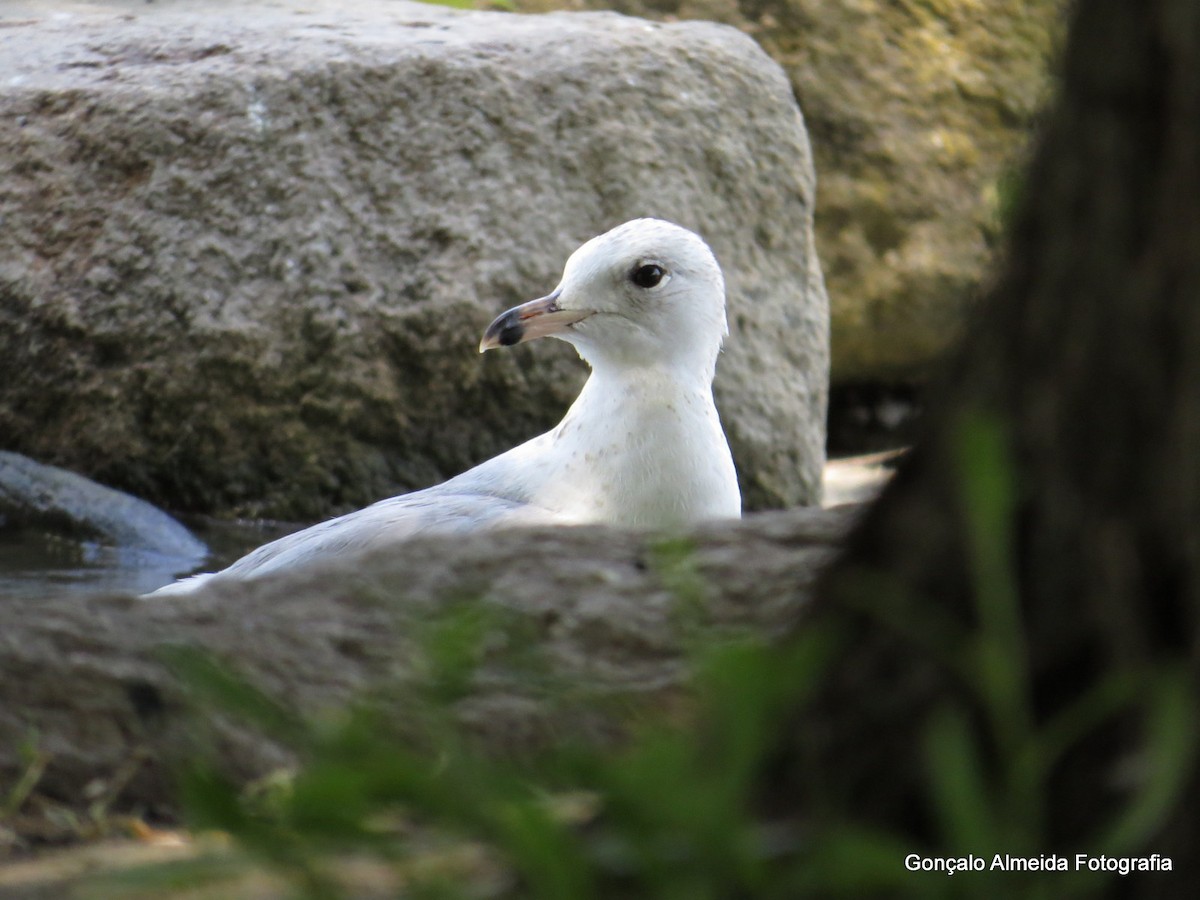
pixel 917 110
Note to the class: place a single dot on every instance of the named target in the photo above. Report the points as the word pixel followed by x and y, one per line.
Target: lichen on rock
pixel 917 110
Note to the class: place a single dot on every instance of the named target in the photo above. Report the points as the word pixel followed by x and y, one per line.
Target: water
pixel 34 563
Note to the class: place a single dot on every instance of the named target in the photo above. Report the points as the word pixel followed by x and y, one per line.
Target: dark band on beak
pixel 507 330
pixel 529 321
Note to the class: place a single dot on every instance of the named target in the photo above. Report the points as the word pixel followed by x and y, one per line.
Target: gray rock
pixel 604 610
pixel 126 540
pixel 246 260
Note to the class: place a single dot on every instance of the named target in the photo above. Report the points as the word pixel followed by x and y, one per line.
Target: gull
pixel 642 445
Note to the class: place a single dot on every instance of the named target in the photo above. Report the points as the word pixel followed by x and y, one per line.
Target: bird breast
pixel 643 451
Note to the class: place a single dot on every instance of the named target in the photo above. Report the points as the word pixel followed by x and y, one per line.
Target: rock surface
pixel 606 608
pixel 36 496
pixel 917 112
pixel 57 527
pixel 245 259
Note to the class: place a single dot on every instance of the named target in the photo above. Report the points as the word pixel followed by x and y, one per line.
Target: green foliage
pixel 1008 196
pixel 989 785
pixel 672 814
pixel 35 761
pixel 505 5
pixel 677 811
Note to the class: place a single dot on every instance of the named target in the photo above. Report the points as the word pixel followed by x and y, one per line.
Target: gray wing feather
pixel 484 497
pixel 436 510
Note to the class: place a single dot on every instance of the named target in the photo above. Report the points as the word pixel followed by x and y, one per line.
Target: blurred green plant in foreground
pixel 682 810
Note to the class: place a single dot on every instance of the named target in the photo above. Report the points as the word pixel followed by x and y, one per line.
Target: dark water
pixel 36 564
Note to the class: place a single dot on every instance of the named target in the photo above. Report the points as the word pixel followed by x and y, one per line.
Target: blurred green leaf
pixel 1166 763
pixel 847 860
pixel 962 798
pixel 988 490
pixel 215 686
pixel 198 875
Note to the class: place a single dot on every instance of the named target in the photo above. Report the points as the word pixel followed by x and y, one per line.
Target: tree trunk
pixel 1086 356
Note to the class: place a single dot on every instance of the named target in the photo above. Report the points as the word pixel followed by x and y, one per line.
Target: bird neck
pixel 625 387
pixel 640 446
pixel 672 370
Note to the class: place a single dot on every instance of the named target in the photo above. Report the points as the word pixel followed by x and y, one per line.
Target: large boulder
pixel 245 260
pixel 921 113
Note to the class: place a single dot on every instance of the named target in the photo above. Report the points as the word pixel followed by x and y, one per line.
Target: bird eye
pixel 647 275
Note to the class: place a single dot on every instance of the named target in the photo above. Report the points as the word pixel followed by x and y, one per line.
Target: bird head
pixel 645 293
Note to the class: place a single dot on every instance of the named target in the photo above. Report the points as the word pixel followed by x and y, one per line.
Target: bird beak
pixel 530 321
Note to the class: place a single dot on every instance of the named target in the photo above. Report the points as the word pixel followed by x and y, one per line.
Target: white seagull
pixel 642 446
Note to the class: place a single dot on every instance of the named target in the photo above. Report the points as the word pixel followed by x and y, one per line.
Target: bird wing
pixel 442 509
pixel 434 510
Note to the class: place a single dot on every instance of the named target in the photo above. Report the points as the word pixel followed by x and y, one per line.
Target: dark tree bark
pixel 1086 351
